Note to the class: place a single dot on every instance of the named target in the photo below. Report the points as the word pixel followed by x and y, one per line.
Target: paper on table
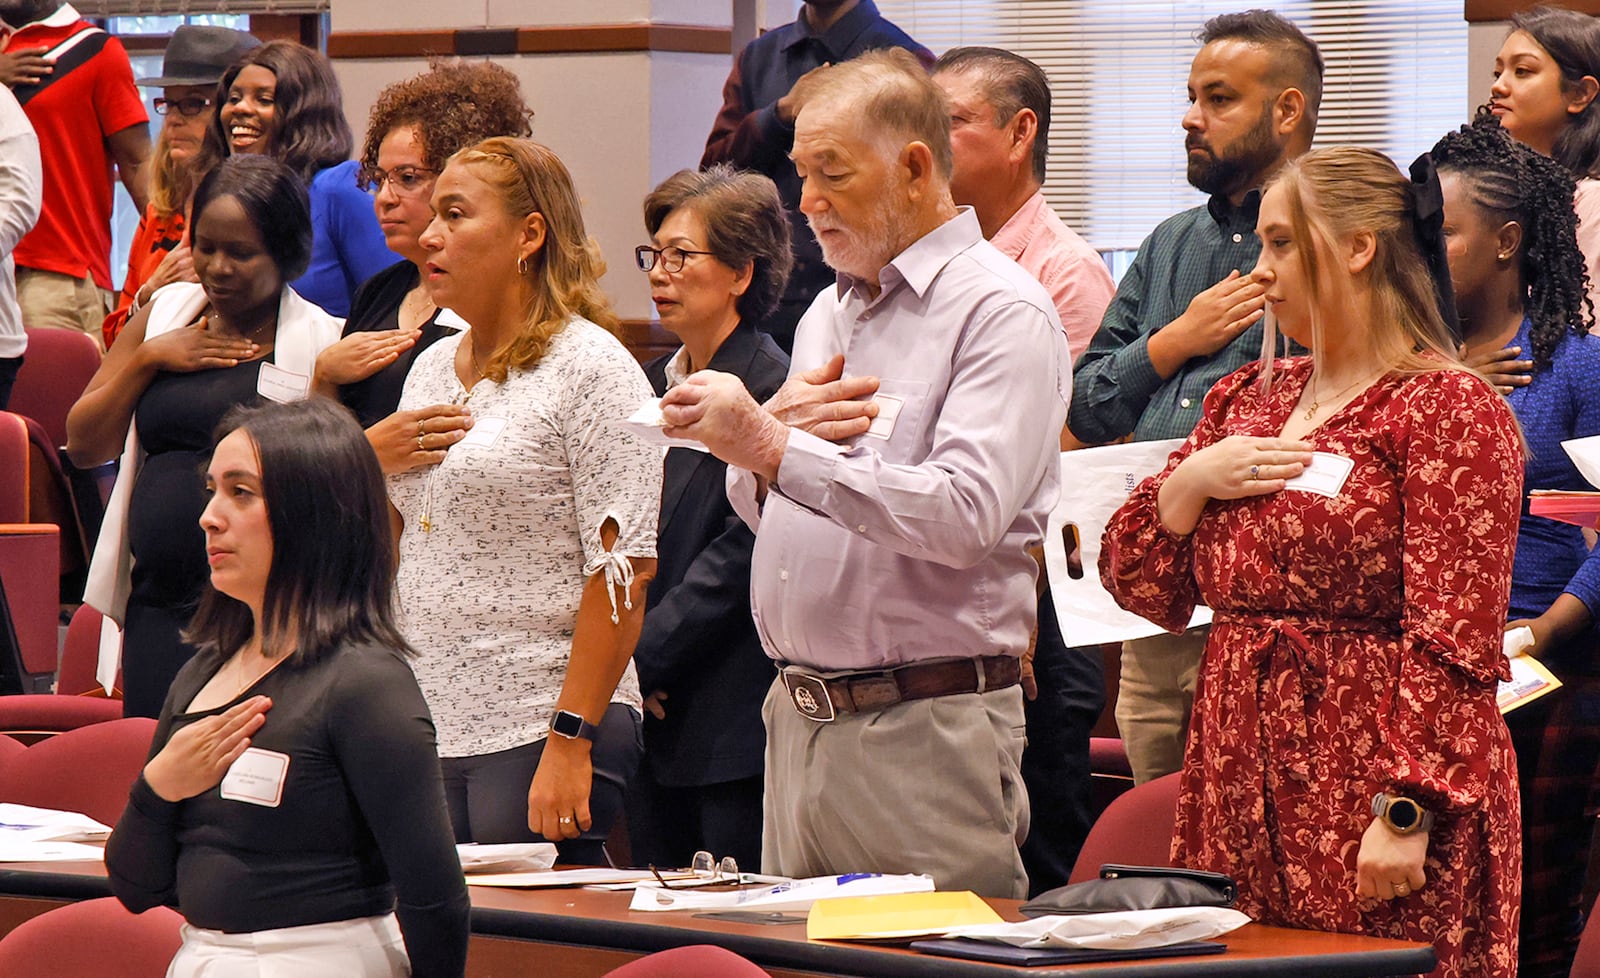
pixel 15 850
pixel 509 857
pixel 881 918
pixel 794 895
pixel 1114 931
pixel 647 423
pixel 24 822
pixel 1094 483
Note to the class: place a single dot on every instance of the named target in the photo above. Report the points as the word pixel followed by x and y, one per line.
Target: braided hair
pixel 1514 183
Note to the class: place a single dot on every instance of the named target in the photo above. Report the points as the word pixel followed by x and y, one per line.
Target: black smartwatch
pixel 1402 815
pixel 572 726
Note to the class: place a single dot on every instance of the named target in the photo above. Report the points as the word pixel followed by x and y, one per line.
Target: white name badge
pixel 1325 476
pixel 257 778
pixel 283 386
pixel 888 410
pixel 483 433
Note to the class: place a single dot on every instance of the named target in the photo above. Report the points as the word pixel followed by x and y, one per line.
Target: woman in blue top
pixel 282 100
pixel 1520 285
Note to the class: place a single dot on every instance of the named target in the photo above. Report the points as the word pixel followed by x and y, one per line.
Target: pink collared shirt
pixel 1070 270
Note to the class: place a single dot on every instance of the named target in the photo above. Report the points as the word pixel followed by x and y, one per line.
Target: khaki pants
pixel 1155 698
pixel 931 786
pixel 50 300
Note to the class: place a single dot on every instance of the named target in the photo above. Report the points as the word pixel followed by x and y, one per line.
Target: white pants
pixel 367 947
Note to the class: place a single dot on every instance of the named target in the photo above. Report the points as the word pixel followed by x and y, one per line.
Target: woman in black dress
pixel 415 126
pixel 192 353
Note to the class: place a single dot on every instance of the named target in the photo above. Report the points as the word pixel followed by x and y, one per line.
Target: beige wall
pixel 622 122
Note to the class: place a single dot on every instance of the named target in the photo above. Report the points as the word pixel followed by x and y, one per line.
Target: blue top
pixel 347 246
pixel 1559 404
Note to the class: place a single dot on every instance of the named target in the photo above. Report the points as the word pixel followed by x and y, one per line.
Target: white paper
pixel 1094 483
pixel 1585 454
pixel 648 423
pixel 25 851
pixel 1517 641
pixel 483 433
pixel 257 778
pixel 24 822
pixel 794 895
pixel 1326 475
pixel 509 857
pixel 888 410
pixel 277 384
pixel 1120 930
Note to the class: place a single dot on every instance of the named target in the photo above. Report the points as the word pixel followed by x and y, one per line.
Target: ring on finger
pixel 1255 472
pixel 565 820
pixel 419 429
pixel 1402 888
pixel 420 446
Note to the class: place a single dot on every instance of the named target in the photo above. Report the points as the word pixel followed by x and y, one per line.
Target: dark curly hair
pixel 309 131
pixel 1514 183
pixel 453 105
pixel 745 224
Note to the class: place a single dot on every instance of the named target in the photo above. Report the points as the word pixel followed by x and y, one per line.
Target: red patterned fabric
pixel 1355 650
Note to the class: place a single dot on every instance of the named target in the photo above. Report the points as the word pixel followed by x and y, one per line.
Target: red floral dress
pixel 1355 649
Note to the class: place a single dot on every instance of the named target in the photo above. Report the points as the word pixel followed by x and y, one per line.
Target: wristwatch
pixel 572 726
pixel 1402 815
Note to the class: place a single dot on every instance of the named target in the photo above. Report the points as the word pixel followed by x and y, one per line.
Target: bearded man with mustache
pixel 1184 316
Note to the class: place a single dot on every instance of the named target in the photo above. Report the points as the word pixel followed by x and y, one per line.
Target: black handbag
pixel 1136 888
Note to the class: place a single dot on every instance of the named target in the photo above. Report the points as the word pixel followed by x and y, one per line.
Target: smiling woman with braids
pixel 1520 284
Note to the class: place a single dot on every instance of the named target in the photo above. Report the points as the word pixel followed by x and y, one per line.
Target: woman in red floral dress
pixel 1356 644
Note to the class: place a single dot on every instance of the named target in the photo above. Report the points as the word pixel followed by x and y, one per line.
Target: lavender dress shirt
pixel 910 543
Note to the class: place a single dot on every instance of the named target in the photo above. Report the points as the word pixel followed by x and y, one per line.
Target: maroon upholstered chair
pixel 34 716
pixel 9 747
pixel 94 937
pixel 13 468
pixel 88 770
pixel 80 655
pixel 1136 830
pixel 55 370
pixel 698 960
pixel 30 561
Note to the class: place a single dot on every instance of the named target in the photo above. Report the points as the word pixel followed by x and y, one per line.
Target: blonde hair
pixel 171 183
pixel 1333 194
pixel 562 279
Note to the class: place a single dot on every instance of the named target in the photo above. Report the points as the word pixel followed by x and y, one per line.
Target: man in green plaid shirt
pixel 1186 312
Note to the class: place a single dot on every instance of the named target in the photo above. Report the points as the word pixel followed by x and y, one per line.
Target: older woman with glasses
pixel 415 126
pixel 718 260
pixel 196 58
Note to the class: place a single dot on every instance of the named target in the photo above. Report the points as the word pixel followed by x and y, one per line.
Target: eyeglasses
pixel 187 107
pixel 671 258
pixel 705 867
pixel 407 181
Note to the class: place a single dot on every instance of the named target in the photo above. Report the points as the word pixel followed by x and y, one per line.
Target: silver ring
pixel 1255 471
pixel 565 820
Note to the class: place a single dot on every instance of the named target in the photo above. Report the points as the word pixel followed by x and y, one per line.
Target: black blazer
pixel 699 644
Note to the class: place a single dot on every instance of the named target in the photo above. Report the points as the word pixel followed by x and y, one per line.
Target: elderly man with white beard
pixel 896 484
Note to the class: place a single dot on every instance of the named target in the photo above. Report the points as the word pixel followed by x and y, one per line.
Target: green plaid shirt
pixel 1115 389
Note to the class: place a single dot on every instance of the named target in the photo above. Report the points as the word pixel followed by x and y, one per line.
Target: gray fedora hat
pixel 199 55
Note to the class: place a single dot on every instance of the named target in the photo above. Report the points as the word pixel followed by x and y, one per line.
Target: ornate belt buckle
pixel 809 694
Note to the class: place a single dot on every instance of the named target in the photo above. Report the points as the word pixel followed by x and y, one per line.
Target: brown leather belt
pixel 822 698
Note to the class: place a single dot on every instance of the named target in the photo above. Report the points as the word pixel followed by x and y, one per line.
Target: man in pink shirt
pixel 999 126
pixel 999 132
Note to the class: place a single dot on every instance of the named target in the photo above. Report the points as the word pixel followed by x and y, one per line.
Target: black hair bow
pixel 1427 204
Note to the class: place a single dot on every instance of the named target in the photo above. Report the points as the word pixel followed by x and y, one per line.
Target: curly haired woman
pixel 1520 283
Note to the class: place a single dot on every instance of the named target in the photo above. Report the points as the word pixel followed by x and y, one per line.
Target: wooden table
pixel 575 933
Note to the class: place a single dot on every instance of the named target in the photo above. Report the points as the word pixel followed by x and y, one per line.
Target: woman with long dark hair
pixel 1519 284
pixel 1546 79
pixel 282 100
pixel 291 809
pixel 197 349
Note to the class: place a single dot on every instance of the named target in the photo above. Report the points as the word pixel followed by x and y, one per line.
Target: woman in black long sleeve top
pixel 292 804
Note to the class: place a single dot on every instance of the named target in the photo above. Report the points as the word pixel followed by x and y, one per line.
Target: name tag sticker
pixel 257 777
pixel 1326 475
pixel 483 433
pixel 888 410
pixel 283 386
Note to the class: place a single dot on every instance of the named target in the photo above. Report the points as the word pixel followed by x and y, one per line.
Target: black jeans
pixel 8 376
pixel 487 794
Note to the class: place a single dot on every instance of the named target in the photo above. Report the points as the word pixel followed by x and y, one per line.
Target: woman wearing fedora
pixel 195 60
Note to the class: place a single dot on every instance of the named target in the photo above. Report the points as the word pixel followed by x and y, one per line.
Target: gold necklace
pixel 1316 401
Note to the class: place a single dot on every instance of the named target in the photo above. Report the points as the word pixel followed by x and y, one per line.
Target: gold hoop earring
pixel 522 266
